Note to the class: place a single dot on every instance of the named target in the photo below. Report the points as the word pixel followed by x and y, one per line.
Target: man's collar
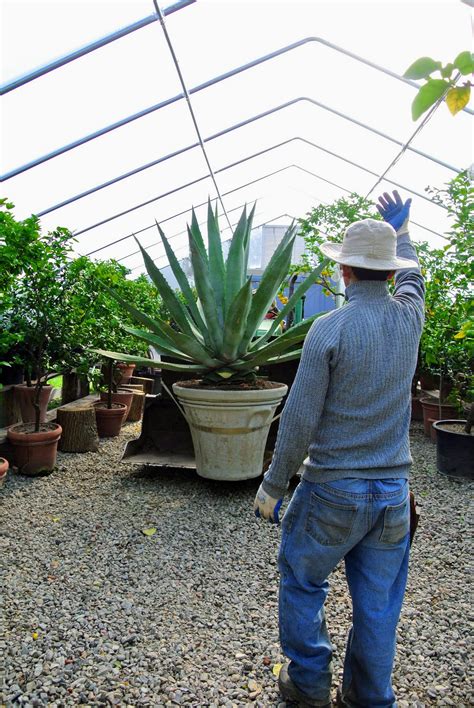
pixel 367 290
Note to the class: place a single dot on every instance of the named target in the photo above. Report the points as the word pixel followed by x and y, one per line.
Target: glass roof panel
pixel 344 124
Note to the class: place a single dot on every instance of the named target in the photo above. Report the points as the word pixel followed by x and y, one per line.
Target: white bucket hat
pixel 368 244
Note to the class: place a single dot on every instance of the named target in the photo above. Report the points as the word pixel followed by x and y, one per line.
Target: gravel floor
pixel 97 613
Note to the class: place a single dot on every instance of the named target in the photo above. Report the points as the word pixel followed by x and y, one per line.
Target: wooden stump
pixel 146 383
pixel 136 409
pixel 79 429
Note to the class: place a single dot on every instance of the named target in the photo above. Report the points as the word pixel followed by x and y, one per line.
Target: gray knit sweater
pixel 348 411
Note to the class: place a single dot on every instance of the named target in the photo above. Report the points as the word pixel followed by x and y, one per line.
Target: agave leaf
pixel 297 295
pixel 198 239
pixel 173 303
pixel 289 356
pixel 293 336
pixel 158 342
pixel 235 271
pixel 236 321
pixel 205 293
pixel 143 361
pixel 247 237
pixel 269 284
pixel 183 283
pixel 216 262
pixel 184 345
pixel 154 325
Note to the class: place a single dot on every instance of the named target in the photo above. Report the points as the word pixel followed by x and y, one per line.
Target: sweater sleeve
pixel 409 283
pixel 302 410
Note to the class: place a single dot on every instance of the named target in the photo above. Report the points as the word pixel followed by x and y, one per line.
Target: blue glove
pixel 267 507
pixel 394 211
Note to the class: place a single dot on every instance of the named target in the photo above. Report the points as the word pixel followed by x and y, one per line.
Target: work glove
pixel 267 507
pixel 394 211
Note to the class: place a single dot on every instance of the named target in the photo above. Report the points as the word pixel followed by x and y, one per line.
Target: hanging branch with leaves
pixel 456 97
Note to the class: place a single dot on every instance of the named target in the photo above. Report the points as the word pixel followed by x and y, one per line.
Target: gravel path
pixel 97 613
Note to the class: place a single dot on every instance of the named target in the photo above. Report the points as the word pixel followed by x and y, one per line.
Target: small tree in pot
pixel 36 311
pixel 214 338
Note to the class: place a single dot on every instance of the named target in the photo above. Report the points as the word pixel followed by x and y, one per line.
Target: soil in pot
pixel 25 395
pixel 34 452
pixel 109 420
pixel 454 449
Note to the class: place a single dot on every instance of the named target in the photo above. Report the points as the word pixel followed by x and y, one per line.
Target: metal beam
pixel 268 221
pixel 196 89
pixel 87 48
pixel 245 159
pixel 231 128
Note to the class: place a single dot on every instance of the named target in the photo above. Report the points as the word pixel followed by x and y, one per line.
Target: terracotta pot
pixel 34 453
pixel 3 470
pixel 120 397
pixel 109 420
pixel 431 413
pixel 25 395
pixel 126 372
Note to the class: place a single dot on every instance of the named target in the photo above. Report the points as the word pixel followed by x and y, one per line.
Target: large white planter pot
pixel 229 428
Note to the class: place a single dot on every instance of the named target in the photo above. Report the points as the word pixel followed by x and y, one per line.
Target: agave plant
pixel 215 335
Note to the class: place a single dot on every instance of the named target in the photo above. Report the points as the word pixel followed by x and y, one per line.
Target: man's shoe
pixel 290 692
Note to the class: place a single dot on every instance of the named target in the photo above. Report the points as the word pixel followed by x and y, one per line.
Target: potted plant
pixel 228 407
pixel 36 311
pixel 448 276
pixel 109 414
pixel 113 392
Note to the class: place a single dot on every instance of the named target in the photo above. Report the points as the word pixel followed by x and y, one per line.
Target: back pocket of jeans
pixel 396 522
pixel 329 523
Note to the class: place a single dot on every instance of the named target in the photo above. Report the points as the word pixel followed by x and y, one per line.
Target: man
pixel 348 414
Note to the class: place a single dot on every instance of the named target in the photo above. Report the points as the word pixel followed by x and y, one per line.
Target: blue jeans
pixel 366 522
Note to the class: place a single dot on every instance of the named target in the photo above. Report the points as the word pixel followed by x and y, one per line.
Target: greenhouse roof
pixel 117 114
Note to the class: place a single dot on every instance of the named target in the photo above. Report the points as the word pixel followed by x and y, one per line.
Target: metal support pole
pixel 86 49
pixel 245 159
pixel 196 89
pixel 231 128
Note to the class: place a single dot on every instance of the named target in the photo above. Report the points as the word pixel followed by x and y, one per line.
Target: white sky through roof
pixel 211 38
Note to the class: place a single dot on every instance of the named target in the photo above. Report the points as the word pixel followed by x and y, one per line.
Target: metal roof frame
pixel 159 15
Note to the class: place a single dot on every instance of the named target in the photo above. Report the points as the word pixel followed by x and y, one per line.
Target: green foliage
pixel 216 336
pixel 457 97
pixel 54 309
pixel 447 342
pixel 327 222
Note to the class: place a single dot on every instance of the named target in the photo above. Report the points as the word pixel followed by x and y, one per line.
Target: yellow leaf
pixel 225 373
pixel 460 335
pixel 35 635
pixel 56 518
pixel 276 669
pixel 457 98
pixel 148 532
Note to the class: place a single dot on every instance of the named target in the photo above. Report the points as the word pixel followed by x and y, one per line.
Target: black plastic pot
pixel 454 450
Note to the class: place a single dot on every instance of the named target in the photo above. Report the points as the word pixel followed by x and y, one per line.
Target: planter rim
pixel 42 435
pixel 24 385
pixel 96 405
pixel 223 396
pixel 428 400
pixel 450 421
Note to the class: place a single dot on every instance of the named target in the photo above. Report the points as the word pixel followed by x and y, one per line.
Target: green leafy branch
pixel 457 97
